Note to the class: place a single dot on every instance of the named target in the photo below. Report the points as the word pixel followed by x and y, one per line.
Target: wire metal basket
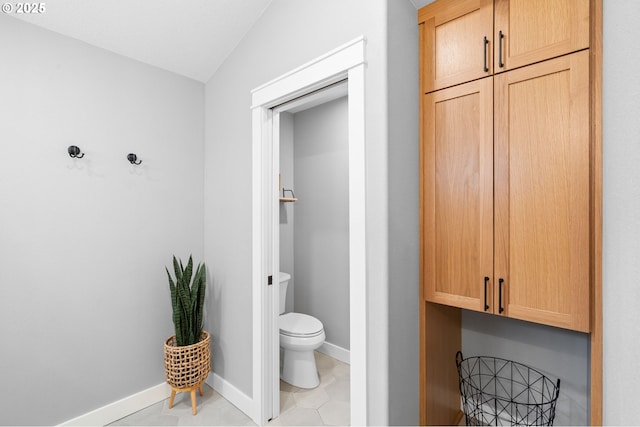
pixel 502 392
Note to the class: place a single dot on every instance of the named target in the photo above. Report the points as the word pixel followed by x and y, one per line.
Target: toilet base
pixel 299 369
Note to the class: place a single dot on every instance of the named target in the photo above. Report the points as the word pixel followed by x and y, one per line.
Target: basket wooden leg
pixel 193 401
pixel 173 395
pixel 192 392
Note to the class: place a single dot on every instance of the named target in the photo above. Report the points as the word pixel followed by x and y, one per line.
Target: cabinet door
pixel 542 192
pixel 457 168
pixel 455 50
pixel 529 31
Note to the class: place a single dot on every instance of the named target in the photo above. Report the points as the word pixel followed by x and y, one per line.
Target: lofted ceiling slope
pixel 188 37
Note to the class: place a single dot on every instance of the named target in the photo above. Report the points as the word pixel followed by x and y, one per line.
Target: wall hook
pixel 132 159
pixel 74 152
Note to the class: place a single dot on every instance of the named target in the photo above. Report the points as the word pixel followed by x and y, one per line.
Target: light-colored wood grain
pixel 553 34
pixel 595 226
pixel 458 194
pixel 443 340
pixel 440 326
pixel 421 64
pixel 193 401
pixel 173 396
pixel 423 361
pixel 542 191
pixel 538 30
pixel 423 329
pixel 191 391
pixel 454 47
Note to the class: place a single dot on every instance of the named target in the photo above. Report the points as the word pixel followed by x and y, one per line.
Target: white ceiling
pixel 191 38
pixel 188 37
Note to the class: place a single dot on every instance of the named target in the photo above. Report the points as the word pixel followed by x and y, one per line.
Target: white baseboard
pixel 336 352
pixel 231 393
pixel 130 404
pixel 123 407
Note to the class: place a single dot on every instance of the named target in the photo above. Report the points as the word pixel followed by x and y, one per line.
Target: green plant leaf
pixel 188 272
pixel 185 306
pixel 200 283
pixel 177 270
pixel 174 301
pixel 187 301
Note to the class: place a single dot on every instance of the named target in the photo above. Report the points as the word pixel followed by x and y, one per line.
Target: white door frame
pixel 347 61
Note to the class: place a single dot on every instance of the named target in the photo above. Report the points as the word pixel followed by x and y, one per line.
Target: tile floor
pixel 213 410
pixel 327 404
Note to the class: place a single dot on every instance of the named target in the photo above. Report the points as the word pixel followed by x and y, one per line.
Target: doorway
pixel 344 63
pixel 314 250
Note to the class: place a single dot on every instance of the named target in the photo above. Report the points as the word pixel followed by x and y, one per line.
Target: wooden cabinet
pixel 535 264
pixel 469 39
pixel 457 42
pixel 510 178
pixel 458 194
pixel 529 31
pixel 542 192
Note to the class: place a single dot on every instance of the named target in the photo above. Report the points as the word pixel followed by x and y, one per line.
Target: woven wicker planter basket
pixel 189 365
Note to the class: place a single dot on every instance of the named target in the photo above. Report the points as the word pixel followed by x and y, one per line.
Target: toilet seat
pixel 300 325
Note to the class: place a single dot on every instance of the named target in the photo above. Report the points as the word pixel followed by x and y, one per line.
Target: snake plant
pixel 187 301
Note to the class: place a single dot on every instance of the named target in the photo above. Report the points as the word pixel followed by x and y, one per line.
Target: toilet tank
pixel 284 284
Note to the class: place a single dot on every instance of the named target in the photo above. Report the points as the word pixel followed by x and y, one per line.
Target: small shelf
pixel 284 198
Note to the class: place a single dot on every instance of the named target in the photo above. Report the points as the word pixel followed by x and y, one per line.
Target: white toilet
pixel 300 334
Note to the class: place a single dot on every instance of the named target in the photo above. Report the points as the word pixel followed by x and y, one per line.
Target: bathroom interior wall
pixel 556 352
pixel 286 37
pixel 287 210
pixel 321 228
pixel 404 214
pixel 84 242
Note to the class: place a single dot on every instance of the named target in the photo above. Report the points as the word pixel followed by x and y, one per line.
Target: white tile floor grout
pixel 327 404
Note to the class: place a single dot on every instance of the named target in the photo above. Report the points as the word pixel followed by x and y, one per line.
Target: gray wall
pixel 289 34
pixel 404 229
pixel 83 243
pixel 287 209
pixel 321 230
pixel 556 352
pixel 621 193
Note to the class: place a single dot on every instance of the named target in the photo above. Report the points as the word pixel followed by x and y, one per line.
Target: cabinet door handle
pixel 486 43
pixel 500 307
pixel 500 38
pixel 486 306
